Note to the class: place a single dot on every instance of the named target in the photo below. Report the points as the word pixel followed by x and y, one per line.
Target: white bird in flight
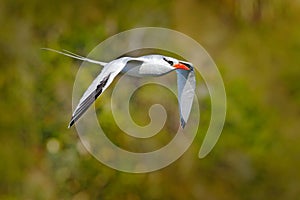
pixel 149 65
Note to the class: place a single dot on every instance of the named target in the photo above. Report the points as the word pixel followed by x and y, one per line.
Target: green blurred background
pixel 255 44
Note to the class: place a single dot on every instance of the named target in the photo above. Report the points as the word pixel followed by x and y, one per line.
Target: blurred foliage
pixel 256 45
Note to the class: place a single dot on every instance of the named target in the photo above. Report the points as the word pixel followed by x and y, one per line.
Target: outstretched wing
pixel 102 81
pixel 87 101
pixel 186 84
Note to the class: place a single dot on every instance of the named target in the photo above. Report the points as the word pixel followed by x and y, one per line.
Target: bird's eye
pixel 168 61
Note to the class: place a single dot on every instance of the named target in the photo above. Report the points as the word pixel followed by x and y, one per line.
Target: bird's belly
pixel 147 70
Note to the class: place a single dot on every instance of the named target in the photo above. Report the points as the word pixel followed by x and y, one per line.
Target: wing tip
pixel 71 123
pixel 182 123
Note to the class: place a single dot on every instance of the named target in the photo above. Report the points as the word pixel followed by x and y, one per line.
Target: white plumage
pixel 149 65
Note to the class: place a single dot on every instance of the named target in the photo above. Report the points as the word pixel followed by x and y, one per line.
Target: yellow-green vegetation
pixel 256 45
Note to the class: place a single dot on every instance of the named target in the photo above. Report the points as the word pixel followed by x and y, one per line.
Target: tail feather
pixel 76 56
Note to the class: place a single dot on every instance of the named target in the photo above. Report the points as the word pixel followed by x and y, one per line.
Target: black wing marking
pixel 88 101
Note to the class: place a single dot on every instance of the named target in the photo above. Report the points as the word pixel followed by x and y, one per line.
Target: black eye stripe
pixel 168 61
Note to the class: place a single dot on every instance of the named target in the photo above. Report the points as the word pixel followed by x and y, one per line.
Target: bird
pixel 152 65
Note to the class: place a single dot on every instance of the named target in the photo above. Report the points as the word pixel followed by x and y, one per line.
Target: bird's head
pixel 178 64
